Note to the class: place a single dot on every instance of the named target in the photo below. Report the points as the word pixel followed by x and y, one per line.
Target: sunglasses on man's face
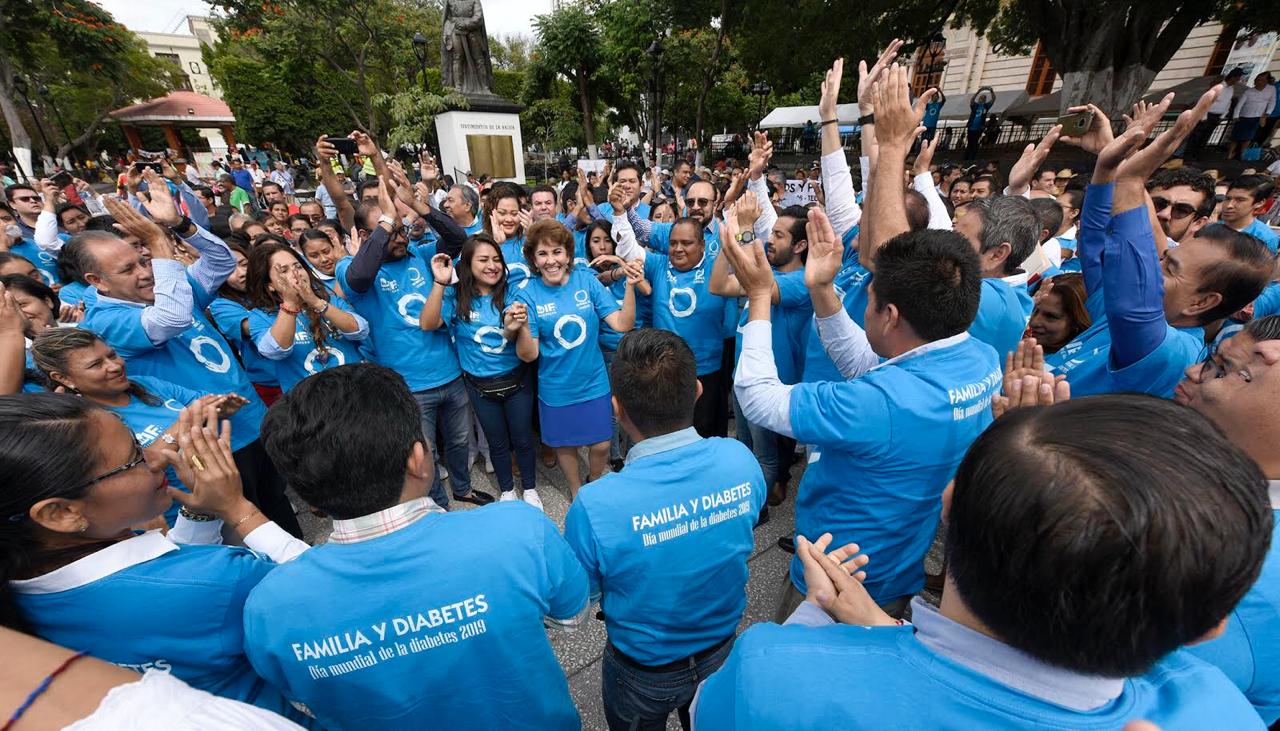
pixel 27 199
pixel 700 202
pixel 1179 211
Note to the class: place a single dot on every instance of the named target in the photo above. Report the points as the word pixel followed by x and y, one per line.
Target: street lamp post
pixel 761 90
pixel 20 86
pixel 420 51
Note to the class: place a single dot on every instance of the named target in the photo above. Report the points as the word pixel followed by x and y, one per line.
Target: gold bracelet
pixel 240 522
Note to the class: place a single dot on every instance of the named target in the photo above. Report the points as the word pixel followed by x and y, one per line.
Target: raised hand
pixel 761 154
pixel 746 210
pixel 750 264
pixel 365 144
pixel 617 199
pixel 1099 134
pixel 427 167
pixel 525 218
pixel 442 269
pixel 325 151
pixel 1143 163
pixel 161 206
pixel 12 321
pixel 868 77
pixel 133 223
pixel 1029 391
pixel 897 121
pixel 1033 156
pixel 924 158
pixel 205 464
pixel 831 90
pixel 825 251
pixel 51 193
pixel 499 236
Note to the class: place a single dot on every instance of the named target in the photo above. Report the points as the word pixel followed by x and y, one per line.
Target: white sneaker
pixel 508 496
pixel 531 497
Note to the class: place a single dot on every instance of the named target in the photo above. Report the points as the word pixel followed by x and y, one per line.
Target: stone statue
pixel 464 54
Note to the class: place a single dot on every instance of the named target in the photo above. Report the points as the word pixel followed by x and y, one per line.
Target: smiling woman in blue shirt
pixel 1081 555
pixel 565 306
pixel 409 617
pixel 75 572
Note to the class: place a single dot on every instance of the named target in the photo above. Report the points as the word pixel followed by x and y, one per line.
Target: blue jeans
pixel 449 404
pixel 506 425
pixel 762 443
pixel 636 699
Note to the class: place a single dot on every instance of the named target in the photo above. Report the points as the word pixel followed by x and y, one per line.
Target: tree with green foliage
pixel 361 49
pixel 413 114
pixel 89 64
pixel 569 44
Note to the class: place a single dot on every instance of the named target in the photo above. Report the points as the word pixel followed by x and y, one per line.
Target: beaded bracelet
pixel 40 689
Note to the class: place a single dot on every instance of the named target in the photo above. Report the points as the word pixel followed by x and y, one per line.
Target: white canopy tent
pixel 796 116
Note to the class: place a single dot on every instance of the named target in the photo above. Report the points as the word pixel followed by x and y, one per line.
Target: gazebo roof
pixel 184 108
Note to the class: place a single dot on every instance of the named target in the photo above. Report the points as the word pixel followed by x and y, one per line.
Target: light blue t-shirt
pixel 683 303
pixel 566 321
pixel 1086 360
pixel 1268 303
pixel 1003 311
pixel 767 683
pixel 483 347
pixel 72 293
pixel 792 317
pixel 179 612
pixel 392 305
pixel 1262 231
pixel 885 446
pixel 851 286
pixel 46 263
pixel 149 421
pixel 438 624
pixel 666 542
pixel 229 316
pixel 304 358
pixel 198 358
pixel 1249 651
pixel 518 271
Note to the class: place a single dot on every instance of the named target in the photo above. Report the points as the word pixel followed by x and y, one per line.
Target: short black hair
pixel 341 438
pixel 917 207
pixel 933 277
pixel 366 184
pixel 1241 276
pixel 544 188
pixel 655 379
pixel 1087 545
pixel 627 165
pixel 798 229
pixel 1048 213
pixel 1259 186
pixel 8 190
pixel 34 288
pixel 1194 179
pixel 64 207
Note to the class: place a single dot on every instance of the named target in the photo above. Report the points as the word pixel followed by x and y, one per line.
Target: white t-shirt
pixel 1256 103
pixel 1222 104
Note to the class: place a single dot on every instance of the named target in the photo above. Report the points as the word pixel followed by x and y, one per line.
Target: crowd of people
pixel 1071 377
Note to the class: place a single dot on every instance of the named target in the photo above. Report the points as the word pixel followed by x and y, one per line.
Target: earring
pixel 84 526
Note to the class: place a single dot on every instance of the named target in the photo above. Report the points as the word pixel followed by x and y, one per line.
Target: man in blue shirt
pixel 387 283
pixel 463 206
pixel 626 175
pixel 151 311
pixel 1238 388
pixel 1004 231
pixel 409 617
pixel 665 543
pixel 1245 197
pixel 241 175
pixel 1051 618
pixel 1149 304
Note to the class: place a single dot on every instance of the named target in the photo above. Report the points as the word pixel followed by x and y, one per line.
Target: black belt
pixel 683 663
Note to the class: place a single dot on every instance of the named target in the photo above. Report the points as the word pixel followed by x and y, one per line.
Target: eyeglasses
pixel 702 202
pixel 1180 210
pixel 27 199
pixel 139 457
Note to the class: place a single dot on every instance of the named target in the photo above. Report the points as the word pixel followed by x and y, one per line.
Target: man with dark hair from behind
pixel 665 541
pixel 409 617
pixel 1081 555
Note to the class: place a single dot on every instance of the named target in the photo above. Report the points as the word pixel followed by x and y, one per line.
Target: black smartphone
pixel 344 145
pixel 140 166
pixel 62 179
pixel 1075 125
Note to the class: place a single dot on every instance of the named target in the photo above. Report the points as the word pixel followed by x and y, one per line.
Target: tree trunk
pixel 588 116
pixel 708 78
pixel 65 149
pixel 18 134
pixel 1112 90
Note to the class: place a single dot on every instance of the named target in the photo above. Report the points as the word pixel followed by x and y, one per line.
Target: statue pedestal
pixel 482 141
